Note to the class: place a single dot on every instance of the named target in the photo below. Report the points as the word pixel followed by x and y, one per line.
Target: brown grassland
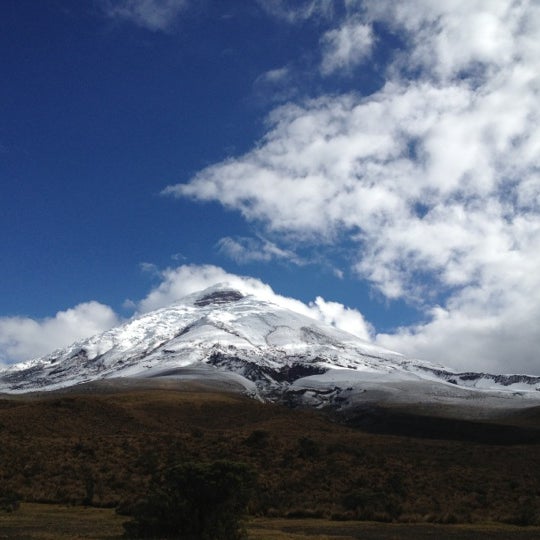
pixel 35 521
pixel 86 453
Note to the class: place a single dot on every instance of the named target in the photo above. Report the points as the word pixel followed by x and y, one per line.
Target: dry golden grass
pixel 282 529
pixel 55 522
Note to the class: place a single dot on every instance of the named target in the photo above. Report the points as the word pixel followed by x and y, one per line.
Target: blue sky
pixel 382 157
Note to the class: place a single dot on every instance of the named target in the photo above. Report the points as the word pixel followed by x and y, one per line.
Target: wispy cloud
pixel 433 180
pixel 155 15
pixel 346 47
pixel 276 85
pixel 249 249
pixel 275 75
pixel 298 11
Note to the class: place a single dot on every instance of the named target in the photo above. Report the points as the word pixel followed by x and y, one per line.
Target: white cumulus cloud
pixel 23 338
pixel 342 317
pixel 433 179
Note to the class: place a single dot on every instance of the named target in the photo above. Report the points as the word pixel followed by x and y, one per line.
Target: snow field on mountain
pixel 237 337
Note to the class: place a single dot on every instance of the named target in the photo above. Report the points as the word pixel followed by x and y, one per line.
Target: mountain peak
pixel 217 296
pixel 236 336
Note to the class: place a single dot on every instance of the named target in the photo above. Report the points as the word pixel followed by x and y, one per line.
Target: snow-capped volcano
pixel 272 352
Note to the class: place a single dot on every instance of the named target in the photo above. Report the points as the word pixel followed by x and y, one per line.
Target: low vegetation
pixel 106 450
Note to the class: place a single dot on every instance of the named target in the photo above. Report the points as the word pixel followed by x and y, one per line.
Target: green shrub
pixel 194 501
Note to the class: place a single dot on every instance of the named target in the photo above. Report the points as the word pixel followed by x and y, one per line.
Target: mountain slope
pixel 269 351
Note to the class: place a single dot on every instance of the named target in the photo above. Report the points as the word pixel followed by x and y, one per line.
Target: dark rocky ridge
pixel 219 298
pixel 504 380
pixel 252 371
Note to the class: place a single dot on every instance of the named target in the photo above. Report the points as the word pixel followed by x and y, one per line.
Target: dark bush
pixel 372 504
pixel 194 501
pixel 9 500
pixel 307 448
pixel 526 513
pixel 257 439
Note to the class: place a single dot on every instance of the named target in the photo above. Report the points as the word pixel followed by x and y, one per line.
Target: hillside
pixel 100 448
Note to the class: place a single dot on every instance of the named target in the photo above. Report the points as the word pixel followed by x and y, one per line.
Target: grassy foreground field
pixel 56 522
pixel 101 448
